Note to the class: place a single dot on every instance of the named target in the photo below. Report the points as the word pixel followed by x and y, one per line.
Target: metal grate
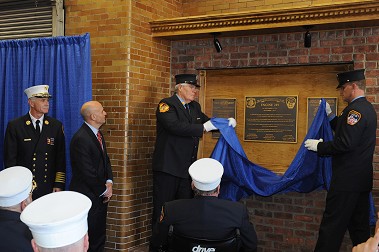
pixel 26 19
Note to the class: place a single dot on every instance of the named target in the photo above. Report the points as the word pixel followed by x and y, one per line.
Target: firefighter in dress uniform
pixel 36 141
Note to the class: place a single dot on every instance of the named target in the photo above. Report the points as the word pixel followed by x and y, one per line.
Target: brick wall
pixel 209 7
pixel 288 222
pixel 131 73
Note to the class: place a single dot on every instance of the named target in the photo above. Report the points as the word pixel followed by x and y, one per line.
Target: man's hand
pixel 328 110
pixel 108 193
pixel 311 144
pixel 232 122
pixel 371 245
pixel 208 126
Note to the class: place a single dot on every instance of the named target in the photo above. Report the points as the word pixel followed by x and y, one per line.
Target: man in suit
pixel 36 141
pixel 91 170
pixel 15 194
pixel 205 216
pixel 64 227
pixel 352 150
pixel 180 124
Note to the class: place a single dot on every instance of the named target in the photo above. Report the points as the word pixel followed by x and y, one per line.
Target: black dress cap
pixel 186 78
pixel 350 76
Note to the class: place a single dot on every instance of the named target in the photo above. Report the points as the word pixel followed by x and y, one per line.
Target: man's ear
pixel 192 186
pixel 86 242
pixel 34 246
pixel 218 189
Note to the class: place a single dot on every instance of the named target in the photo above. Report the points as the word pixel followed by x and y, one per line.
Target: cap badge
pixel 163 107
pixel 353 117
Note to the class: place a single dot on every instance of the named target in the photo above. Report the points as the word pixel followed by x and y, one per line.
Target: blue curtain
pixel 306 173
pixel 63 63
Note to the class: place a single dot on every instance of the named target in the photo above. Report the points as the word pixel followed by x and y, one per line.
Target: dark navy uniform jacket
pixel 15 235
pixel 178 134
pixel 353 147
pixel 44 156
pixel 206 217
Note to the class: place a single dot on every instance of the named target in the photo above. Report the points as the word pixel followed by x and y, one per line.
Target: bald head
pixel 93 113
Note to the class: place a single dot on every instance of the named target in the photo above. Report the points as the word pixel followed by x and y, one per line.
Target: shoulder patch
pixel 163 107
pixel 353 117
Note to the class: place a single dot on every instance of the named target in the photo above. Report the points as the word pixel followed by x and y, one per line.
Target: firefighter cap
pixel 206 173
pixel 57 219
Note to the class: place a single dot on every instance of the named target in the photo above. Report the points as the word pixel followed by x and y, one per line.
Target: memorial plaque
pixel 312 106
pixel 223 108
pixel 271 118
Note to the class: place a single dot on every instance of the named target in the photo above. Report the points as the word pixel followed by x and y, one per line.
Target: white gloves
pixel 328 110
pixel 311 144
pixel 232 122
pixel 208 126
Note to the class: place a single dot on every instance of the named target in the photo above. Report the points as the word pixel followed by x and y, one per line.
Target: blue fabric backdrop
pixel 306 173
pixel 64 63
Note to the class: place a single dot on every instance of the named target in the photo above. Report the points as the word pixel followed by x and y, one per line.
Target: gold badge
pixel 46 122
pixel 28 122
pixel 163 107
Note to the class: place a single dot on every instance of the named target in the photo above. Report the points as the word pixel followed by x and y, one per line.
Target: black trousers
pixel 97 218
pixel 344 211
pixel 166 188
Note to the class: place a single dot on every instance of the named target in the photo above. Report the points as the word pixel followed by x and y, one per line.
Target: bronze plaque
pixel 312 106
pixel 223 108
pixel 271 118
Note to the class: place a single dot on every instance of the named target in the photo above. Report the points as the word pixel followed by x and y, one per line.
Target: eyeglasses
pixel 342 88
pixel 192 87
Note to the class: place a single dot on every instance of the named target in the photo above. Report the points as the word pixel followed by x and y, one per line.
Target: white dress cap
pixel 206 173
pixel 15 185
pixel 39 91
pixel 57 219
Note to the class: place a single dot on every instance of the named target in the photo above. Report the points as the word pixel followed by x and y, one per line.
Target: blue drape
pixel 63 63
pixel 306 173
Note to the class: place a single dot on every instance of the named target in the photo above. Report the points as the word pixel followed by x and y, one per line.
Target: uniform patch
pixel 163 107
pixel 353 117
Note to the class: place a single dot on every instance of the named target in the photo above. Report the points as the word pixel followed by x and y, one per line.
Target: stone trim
pixel 367 11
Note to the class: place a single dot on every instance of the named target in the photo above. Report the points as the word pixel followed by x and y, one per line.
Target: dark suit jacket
pixel 91 166
pixel 353 147
pixel 15 235
pixel 206 217
pixel 44 156
pixel 178 134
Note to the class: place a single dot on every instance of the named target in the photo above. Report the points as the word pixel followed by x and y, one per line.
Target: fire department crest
pixel 353 117
pixel 163 107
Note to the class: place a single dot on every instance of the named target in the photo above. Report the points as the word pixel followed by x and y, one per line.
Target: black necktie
pixel 38 128
pixel 187 108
